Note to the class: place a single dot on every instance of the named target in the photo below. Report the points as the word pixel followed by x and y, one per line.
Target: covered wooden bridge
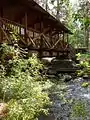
pixel 25 22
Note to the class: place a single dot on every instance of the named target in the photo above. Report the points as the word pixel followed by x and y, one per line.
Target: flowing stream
pixel 70 95
pixel 71 100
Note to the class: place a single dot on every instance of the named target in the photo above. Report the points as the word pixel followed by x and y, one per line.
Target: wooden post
pixel 26 21
pixel 1 24
pixel 58 45
pixel 68 44
pixel 63 42
pixel 25 30
pixel 58 54
pixel 51 53
pixel 63 39
pixel 41 40
pixel 20 27
pixel 33 34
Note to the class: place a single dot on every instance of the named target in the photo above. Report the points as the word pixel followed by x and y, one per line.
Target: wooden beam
pixel 63 36
pixel 48 50
pixel 41 40
pixel 51 42
pixel 49 45
pixel 2 30
pixel 26 24
pixel 30 39
pixel 25 29
pixel 20 27
pixel 55 44
pixel 33 34
pixel 18 24
pixel 46 30
pixel 1 24
pixel 54 33
pixel 10 28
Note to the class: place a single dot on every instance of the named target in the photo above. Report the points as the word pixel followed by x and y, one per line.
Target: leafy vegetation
pixel 84 64
pixel 22 87
pixel 85 84
pixel 75 14
pixel 78 110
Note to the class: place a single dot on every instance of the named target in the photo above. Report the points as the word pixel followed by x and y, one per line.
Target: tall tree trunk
pixel 46 7
pixel 87 27
pixel 57 16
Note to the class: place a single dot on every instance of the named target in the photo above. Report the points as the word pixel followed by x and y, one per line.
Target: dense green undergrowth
pixel 22 87
pixel 84 64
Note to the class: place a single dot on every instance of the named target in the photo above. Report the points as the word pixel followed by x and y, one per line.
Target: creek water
pixel 70 101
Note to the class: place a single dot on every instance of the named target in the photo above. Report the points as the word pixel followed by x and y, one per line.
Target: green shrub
pixel 79 110
pixel 84 64
pixel 22 86
pixel 85 84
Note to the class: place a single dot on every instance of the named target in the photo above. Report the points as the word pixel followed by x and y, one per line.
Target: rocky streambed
pixel 70 100
pixel 70 95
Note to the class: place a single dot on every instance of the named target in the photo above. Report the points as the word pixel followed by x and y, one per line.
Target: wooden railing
pixel 18 25
pixel 12 30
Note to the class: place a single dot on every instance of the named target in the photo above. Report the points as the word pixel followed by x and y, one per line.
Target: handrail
pixel 5 23
pixel 9 25
pixel 19 25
